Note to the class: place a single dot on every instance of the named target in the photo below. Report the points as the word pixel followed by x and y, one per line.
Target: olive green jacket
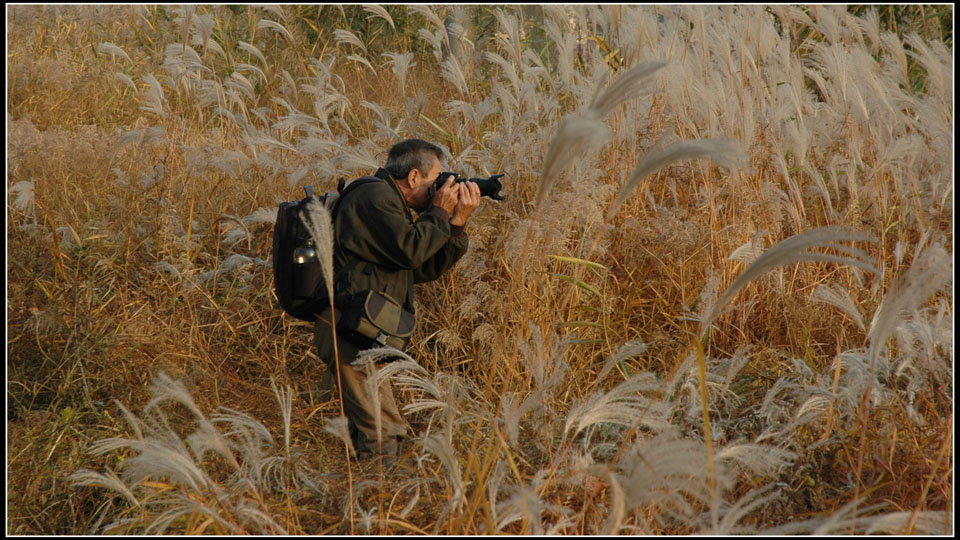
pixel 380 246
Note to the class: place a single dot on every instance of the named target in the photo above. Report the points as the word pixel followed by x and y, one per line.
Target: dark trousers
pixel 358 405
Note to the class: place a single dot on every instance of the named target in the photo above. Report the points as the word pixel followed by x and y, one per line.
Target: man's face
pixel 419 196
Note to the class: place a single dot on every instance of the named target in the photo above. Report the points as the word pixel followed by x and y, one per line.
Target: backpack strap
pixel 343 190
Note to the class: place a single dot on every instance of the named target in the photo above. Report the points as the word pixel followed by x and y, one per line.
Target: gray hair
pixel 409 154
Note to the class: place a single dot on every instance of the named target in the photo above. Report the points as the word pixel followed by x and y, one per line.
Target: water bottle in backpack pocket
pixel 307 273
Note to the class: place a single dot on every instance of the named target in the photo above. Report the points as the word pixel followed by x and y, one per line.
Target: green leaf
pixel 577 282
pixel 438 127
pixel 575 260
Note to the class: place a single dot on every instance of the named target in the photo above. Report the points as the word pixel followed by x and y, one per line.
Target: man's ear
pixel 412 176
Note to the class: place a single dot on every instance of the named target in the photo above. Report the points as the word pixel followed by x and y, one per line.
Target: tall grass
pixel 718 298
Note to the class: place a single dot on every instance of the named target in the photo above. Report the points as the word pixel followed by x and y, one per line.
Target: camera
pixel 489 187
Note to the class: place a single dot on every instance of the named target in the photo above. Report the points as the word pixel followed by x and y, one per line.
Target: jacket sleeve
pixel 375 227
pixel 444 259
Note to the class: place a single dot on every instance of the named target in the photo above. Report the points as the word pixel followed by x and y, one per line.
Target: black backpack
pixel 297 275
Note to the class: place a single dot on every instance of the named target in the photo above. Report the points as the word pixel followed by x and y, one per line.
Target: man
pixel 381 247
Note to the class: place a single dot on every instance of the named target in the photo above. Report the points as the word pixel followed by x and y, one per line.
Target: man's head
pixel 415 165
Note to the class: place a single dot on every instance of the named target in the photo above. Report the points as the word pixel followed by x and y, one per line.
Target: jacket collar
pixel 388 178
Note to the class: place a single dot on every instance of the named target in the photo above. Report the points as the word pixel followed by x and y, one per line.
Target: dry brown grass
pixel 561 385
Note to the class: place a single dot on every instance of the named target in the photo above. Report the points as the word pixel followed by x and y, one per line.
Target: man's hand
pixel 468 201
pixel 447 196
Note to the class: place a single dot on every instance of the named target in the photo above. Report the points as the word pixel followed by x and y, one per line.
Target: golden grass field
pixel 718 298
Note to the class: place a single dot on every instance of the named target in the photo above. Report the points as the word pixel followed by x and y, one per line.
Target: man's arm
pixel 450 253
pixel 444 259
pixel 375 227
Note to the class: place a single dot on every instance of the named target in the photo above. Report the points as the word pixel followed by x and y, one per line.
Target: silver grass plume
pixel 897 56
pixel 210 45
pixel 435 40
pixel 400 65
pixel 931 271
pixel 624 87
pixel 204 29
pixel 25 196
pixel 544 357
pixel 749 251
pixel 578 134
pixel 252 69
pixel 761 460
pixel 428 14
pixel 925 523
pixel 276 10
pixel 320 226
pixel 442 393
pixel 229 162
pixel 565 43
pixel 455 32
pixel 108 480
pixel 453 72
pixel 245 437
pixel 236 85
pixel 125 79
pixel 357 157
pixel 141 137
pixel 296 120
pixel 731 514
pixel 626 351
pixel 439 446
pixel 252 49
pixel 494 480
pixel 433 395
pixel 851 517
pixel 629 403
pixel 166 388
pixel 509 36
pixel 673 474
pixel 276 27
pixel 618 511
pixel 161 453
pixel 361 60
pixel 345 36
pixel 184 16
pixel 153 96
pixel 724 151
pixel 242 232
pixel 937 61
pixel 383 124
pixel 379 11
pixel 338 427
pixel 796 249
pixel 378 379
pixel 838 297
pixel 113 50
pixel 669 472
pixel 285 399
pixel 182 62
pixel 717 392
pixel 525 504
pixel 582 132
pixel 549 372
pixel 508 69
